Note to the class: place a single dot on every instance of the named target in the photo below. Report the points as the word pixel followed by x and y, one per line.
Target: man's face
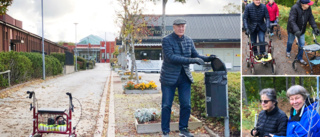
pixel 257 2
pixel 305 6
pixel 179 29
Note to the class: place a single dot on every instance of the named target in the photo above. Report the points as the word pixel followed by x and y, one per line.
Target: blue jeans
pixel 184 89
pixel 301 42
pixel 254 35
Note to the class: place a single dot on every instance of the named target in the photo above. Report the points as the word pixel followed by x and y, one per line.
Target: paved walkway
pixel 87 86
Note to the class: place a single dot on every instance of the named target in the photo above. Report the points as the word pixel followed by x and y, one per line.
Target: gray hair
pixel 297 89
pixel 270 93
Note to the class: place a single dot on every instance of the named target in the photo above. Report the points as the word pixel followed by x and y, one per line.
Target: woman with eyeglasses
pixel 271 121
pixel 304 120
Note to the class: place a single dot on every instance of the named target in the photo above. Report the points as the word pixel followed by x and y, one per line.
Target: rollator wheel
pixel 248 64
pixel 294 65
pixel 37 135
pixel 252 71
pixel 273 68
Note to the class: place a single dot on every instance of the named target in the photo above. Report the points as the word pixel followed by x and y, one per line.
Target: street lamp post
pixel 76 45
pixel 43 57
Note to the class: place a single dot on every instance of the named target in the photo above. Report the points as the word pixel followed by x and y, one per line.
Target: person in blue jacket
pixel 304 120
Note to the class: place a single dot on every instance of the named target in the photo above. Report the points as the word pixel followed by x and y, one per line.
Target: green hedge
pixel 53 66
pixel 60 56
pixel 81 62
pixel 24 66
pixel 36 59
pixel 198 103
pixel 20 66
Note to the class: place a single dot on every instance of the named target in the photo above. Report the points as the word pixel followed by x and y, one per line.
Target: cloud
pixel 95 17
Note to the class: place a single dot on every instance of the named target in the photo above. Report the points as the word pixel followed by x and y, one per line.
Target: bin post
pixel 217 93
pixel 226 119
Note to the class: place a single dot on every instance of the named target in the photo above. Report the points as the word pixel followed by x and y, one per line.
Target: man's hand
pixel 212 57
pixel 254 132
pixel 298 34
pixel 247 32
pixel 316 31
pixel 198 61
pixel 277 20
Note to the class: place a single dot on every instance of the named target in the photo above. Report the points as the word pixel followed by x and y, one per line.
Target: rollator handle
pixel 70 97
pixel 30 93
pixel 31 106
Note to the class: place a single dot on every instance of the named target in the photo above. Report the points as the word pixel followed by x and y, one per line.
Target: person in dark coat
pixel 272 121
pixel 256 22
pixel 178 52
pixel 300 15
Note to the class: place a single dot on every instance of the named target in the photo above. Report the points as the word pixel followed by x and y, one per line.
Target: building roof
pixel 213 27
pixel 92 39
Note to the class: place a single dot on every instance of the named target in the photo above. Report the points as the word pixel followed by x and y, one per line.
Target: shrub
pixel 198 103
pixel 91 64
pixel 60 56
pixel 36 59
pixel 53 66
pixel 20 66
pixel 82 62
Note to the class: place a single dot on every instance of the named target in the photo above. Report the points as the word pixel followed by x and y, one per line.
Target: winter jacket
pixel 176 54
pixel 273 11
pixel 274 122
pixel 255 16
pixel 297 125
pixel 298 19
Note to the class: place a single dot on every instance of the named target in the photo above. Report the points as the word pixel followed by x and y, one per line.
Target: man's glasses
pixel 265 101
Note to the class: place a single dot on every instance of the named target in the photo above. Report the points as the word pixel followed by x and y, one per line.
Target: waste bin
pixel 216 83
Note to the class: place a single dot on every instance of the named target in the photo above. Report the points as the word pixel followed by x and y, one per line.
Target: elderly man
pixel 178 52
pixel 254 18
pixel 300 15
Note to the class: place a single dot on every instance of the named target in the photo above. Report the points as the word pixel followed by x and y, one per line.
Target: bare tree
pixel 133 27
pixel 244 94
pixel 293 81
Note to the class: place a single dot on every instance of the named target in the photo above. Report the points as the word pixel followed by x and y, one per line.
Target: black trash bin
pixel 216 89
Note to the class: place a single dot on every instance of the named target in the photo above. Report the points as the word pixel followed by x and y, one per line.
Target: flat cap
pixel 179 21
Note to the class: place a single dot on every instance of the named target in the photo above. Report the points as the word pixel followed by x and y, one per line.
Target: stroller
pixel 309 50
pixel 51 120
pixel 276 29
pixel 265 60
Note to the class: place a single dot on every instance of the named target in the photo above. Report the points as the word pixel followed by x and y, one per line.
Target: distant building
pixel 93 48
pixel 217 34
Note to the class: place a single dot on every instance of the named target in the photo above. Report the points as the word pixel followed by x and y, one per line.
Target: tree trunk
pixel 301 81
pixel 293 81
pixel 287 83
pixel 133 63
pixel 274 83
pixel 244 94
pixel 260 87
pixel 164 2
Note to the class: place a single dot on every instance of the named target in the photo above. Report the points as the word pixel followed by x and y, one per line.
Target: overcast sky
pixel 93 17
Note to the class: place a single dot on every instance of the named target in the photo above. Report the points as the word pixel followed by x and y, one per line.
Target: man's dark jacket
pixel 298 19
pixel 176 58
pixel 274 122
pixel 255 16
